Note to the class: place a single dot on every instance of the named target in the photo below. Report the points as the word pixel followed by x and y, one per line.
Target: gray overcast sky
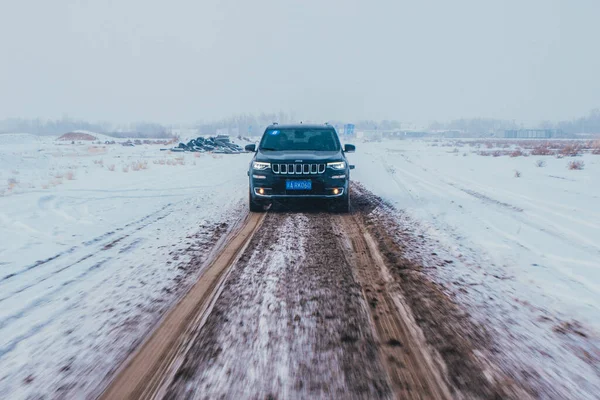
pixel 186 60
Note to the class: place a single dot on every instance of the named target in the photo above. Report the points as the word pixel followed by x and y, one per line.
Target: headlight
pixel 260 166
pixel 337 165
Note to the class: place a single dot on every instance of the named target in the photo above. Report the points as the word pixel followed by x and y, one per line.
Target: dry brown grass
pixel 542 150
pixel 125 168
pixel 111 167
pixel 12 183
pixel 576 165
pixel 69 175
pixel 176 161
pixel 571 150
pixel 96 149
pixel 139 165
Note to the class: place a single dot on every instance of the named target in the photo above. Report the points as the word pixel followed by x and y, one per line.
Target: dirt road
pixel 309 304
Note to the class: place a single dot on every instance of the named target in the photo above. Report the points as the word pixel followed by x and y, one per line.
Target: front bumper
pixel 296 194
pixel 324 186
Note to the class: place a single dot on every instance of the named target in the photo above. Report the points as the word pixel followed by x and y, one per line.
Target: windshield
pixel 300 139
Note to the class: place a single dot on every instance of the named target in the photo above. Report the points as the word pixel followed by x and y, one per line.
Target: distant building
pixel 532 133
pixel 404 134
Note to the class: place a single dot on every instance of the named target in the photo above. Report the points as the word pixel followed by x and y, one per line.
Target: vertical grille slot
pixel 298 169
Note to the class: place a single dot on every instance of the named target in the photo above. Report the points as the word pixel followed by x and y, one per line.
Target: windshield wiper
pixel 268 148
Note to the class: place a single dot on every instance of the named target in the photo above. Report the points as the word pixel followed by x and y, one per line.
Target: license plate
pixel 298 185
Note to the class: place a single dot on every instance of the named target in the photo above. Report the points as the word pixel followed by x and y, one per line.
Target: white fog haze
pixel 184 61
pixel 300 199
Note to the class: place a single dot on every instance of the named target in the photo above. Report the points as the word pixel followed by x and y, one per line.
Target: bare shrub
pixel 542 150
pixel 70 175
pixel 497 153
pixel 99 162
pixel 517 174
pixel 516 153
pixel 558 155
pixel 576 165
pixel 571 150
pixel 12 183
pixel 596 147
pixel 111 167
pixel 125 168
pixel 139 165
pixel 540 163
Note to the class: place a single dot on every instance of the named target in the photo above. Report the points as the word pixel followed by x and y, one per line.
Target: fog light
pixel 261 191
pixel 338 177
pixel 259 176
pixel 336 191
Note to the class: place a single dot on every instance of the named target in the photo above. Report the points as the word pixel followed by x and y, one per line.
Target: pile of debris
pixel 216 144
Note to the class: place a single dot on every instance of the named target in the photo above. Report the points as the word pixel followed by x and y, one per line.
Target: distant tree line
pixel 251 125
pixel 61 126
pixel 487 126
pixel 588 124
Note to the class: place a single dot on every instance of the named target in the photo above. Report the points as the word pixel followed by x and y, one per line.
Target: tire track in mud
pixel 290 323
pixel 317 305
pixel 141 375
pixel 403 350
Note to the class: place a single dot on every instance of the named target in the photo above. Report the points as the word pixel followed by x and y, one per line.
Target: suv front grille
pixel 298 169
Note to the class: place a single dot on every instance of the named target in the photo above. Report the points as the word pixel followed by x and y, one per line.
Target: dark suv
pixel 299 161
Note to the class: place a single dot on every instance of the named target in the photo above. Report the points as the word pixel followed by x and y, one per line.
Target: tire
pixel 342 205
pixel 253 205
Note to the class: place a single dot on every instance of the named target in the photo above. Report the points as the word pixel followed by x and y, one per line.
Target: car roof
pixel 298 126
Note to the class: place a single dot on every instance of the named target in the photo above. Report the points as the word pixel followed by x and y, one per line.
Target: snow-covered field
pixel 521 253
pixel 95 243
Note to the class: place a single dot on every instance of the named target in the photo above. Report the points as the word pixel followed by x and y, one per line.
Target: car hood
pixel 299 156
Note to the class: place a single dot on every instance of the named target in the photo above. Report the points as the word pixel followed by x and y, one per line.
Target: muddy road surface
pixel 310 304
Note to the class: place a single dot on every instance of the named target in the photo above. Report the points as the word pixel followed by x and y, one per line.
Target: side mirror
pixel 349 148
pixel 250 147
pixel 352 166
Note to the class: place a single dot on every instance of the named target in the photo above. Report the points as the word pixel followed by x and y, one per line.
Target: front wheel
pixel 342 205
